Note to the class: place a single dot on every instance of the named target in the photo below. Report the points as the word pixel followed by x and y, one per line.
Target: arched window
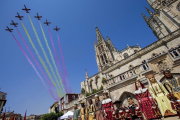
pixel 125 55
pixel 178 7
pixel 102 59
pixel 135 51
pixel 105 58
pixel 73 97
pixel 99 49
pixel 102 48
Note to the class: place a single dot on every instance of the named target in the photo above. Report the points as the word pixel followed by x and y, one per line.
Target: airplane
pixel 56 28
pixel 38 17
pixel 13 23
pixel 8 29
pixel 47 22
pixel 19 16
pixel 27 10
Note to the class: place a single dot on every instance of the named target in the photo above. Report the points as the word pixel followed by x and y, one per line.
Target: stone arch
pixel 90 85
pixel 97 82
pixel 124 97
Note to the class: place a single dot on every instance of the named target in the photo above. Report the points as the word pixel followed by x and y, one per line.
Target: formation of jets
pixel 20 18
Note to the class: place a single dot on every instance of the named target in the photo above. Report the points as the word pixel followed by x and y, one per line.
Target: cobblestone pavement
pixel 172 118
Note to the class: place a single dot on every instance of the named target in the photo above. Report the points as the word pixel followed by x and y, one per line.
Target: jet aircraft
pixel 47 22
pixel 27 10
pixel 56 28
pixel 15 24
pixel 38 17
pixel 20 17
pixel 8 29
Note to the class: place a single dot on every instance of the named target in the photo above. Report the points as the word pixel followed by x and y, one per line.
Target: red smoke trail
pixel 47 79
pixel 63 64
pixel 34 67
pixel 59 67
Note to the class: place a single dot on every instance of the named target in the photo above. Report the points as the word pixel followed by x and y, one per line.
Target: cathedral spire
pixel 149 11
pixel 86 74
pixel 145 18
pixel 99 36
pixel 110 44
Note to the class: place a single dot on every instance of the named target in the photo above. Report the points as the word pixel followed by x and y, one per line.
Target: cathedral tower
pixel 103 49
pixel 165 19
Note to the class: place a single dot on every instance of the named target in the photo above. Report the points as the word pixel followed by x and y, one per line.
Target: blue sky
pixel 121 20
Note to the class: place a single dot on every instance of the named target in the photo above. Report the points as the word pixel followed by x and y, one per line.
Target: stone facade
pixel 2 100
pixel 122 68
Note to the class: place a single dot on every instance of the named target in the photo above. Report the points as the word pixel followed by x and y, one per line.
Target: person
pixel 98 109
pixel 82 111
pixel 146 102
pixel 131 106
pixel 118 107
pixel 159 93
pixel 138 112
pixel 90 110
pixel 121 114
pixel 128 113
pixel 107 106
pixel 172 84
pixel 76 112
pixel 175 103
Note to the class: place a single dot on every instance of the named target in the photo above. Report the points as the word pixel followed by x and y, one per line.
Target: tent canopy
pixel 69 114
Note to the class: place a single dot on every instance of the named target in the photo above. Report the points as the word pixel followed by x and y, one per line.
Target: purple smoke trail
pixel 59 67
pixel 34 67
pixel 63 63
pixel 36 61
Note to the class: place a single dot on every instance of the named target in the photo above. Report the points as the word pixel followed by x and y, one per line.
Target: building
pixel 11 116
pixel 2 100
pixel 53 108
pixel 120 68
pixel 33 117
pixel 67 99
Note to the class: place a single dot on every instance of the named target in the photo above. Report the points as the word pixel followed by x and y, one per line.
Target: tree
pixel 51 116
pixel 103 80
pixel 82 90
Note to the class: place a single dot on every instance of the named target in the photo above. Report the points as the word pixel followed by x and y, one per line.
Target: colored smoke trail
pixel 42 62
pixel 34 67
pixel 47 79
pixel 47 60
pixel 53 58
pixel 63 63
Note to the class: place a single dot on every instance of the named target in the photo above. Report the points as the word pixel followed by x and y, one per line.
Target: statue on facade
pixel 98 109
pixel 90 110
pixel 118 108
pixel 76 112
pixel 159 93
pixel 146 102
pixel 107 106
pixel 172 84
pixel 82 111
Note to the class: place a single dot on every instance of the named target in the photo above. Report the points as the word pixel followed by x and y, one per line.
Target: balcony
pixel 128 75
pixel 175 55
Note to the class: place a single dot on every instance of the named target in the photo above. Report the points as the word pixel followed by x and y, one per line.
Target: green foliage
pixel 103 80
pixel 82 90
pixel 94 91
pixel 51 116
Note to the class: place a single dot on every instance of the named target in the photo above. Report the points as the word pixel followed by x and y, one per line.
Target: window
pixel 135 51
pixel 102 59
pixel 73 97
pixel 125 55
pixel 105 58
pixel 102 48
pixel 178 7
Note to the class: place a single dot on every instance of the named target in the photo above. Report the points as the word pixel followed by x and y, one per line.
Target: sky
pixel 120 20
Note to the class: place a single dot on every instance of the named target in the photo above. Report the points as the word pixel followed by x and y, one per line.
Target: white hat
pixel 96 95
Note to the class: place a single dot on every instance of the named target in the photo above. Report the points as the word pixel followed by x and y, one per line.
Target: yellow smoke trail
pixel 45 55
pixel 52 58
pixel 42 62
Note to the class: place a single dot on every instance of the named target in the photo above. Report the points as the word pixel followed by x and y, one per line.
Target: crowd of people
pixel 155 102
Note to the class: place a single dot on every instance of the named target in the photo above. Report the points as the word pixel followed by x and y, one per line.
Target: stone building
pixel 33 117
pixel 2 100
pixel 121 68
pixel 11 116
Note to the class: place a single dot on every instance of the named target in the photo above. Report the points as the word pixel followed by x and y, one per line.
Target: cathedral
pixel 118 70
